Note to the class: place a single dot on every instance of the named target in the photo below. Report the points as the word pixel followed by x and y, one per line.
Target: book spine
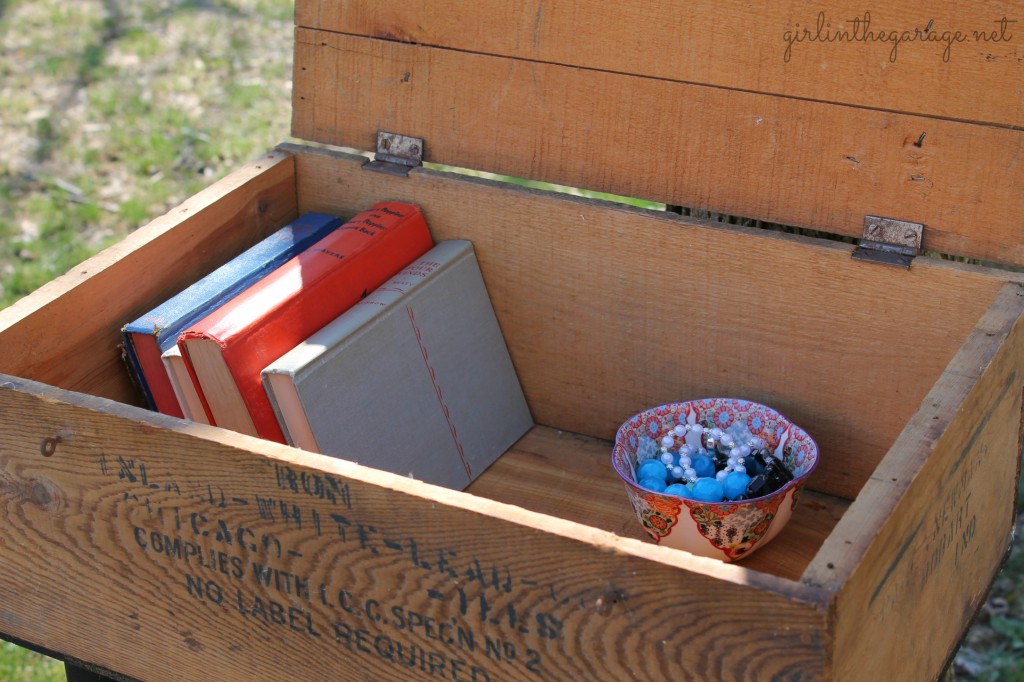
pixel 239 273
pixel 354 321
pixel 306 293
pixel 148 337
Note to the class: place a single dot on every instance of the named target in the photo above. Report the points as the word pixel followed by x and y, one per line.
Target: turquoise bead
pixel 708 490
pixel 652 468
pixel 654 484
pixel 703 465
pixel 735 485
pixel 679 489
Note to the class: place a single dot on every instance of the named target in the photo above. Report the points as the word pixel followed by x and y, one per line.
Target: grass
pixel 124 116
pixel 117 110
pixel 22 665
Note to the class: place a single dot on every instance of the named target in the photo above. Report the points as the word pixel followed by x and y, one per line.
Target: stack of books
pixel 362 340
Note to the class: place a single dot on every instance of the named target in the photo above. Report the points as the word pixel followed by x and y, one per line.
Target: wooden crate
pixel 160 549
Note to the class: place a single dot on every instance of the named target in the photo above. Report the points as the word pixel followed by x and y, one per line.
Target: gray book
pixel 415 379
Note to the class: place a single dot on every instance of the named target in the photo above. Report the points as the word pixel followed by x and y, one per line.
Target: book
pixel 414 379
pixel 184 389
pixel 148 337
pixel 225 351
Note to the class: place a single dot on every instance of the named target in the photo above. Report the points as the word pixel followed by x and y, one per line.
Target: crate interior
pixel 606 310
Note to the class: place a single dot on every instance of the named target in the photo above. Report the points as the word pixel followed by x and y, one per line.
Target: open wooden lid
pixel 806 117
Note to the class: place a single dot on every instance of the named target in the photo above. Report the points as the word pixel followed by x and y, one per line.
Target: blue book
pixel 148 337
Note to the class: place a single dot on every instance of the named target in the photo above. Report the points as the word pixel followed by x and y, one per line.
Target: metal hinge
pixel 396 154
pixel 889 241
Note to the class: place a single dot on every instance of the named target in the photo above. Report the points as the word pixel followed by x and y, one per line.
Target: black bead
pixel 721 461
pixel 777 472
pixel 758 487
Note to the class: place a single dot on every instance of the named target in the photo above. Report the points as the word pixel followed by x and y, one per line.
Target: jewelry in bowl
pixel 717 477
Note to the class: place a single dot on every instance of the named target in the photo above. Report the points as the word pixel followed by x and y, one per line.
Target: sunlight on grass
pixel 551 187
pixel 22 665
pixel 140 107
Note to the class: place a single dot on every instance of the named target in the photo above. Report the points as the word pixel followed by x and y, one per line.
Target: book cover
pixel 415 379
pixel 152 334
pixel 225 351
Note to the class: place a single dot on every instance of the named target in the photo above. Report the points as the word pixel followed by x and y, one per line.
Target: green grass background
pixel 22 665
pixel 114 111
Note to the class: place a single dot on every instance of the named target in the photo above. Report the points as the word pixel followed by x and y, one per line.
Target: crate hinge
pixel 396 154
pixel 889 241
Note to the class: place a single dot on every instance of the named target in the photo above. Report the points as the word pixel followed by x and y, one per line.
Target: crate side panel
pixel 608 311
pixel 932 527
pixel 168 540
pixel 772 158
pixel 67 333
pixel 962 60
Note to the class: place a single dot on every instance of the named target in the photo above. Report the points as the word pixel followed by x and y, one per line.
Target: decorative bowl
pixel 727 530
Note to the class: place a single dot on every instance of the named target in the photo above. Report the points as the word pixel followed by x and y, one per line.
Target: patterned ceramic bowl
pixel 722 530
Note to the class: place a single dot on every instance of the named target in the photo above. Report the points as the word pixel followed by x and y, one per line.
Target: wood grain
pixel 67 333
pixel 784 160
pixel 569 476
pixel 126 530
pixel 941 510
pixel 729 45
pixel 609 310
pixel 142 533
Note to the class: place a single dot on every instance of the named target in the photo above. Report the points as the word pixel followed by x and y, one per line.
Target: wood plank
pixel 917 550
pixel 569 476
pixel 165 550
pixel 782 160
pixel 609 310
pixel 978 75
pixel 67 332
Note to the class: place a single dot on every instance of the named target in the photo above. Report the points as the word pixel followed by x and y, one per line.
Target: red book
pixel 226 351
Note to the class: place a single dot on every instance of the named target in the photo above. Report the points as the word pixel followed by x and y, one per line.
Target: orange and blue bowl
pixel 727 530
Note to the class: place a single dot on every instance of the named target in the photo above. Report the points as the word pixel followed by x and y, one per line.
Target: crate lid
pixel 802 116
